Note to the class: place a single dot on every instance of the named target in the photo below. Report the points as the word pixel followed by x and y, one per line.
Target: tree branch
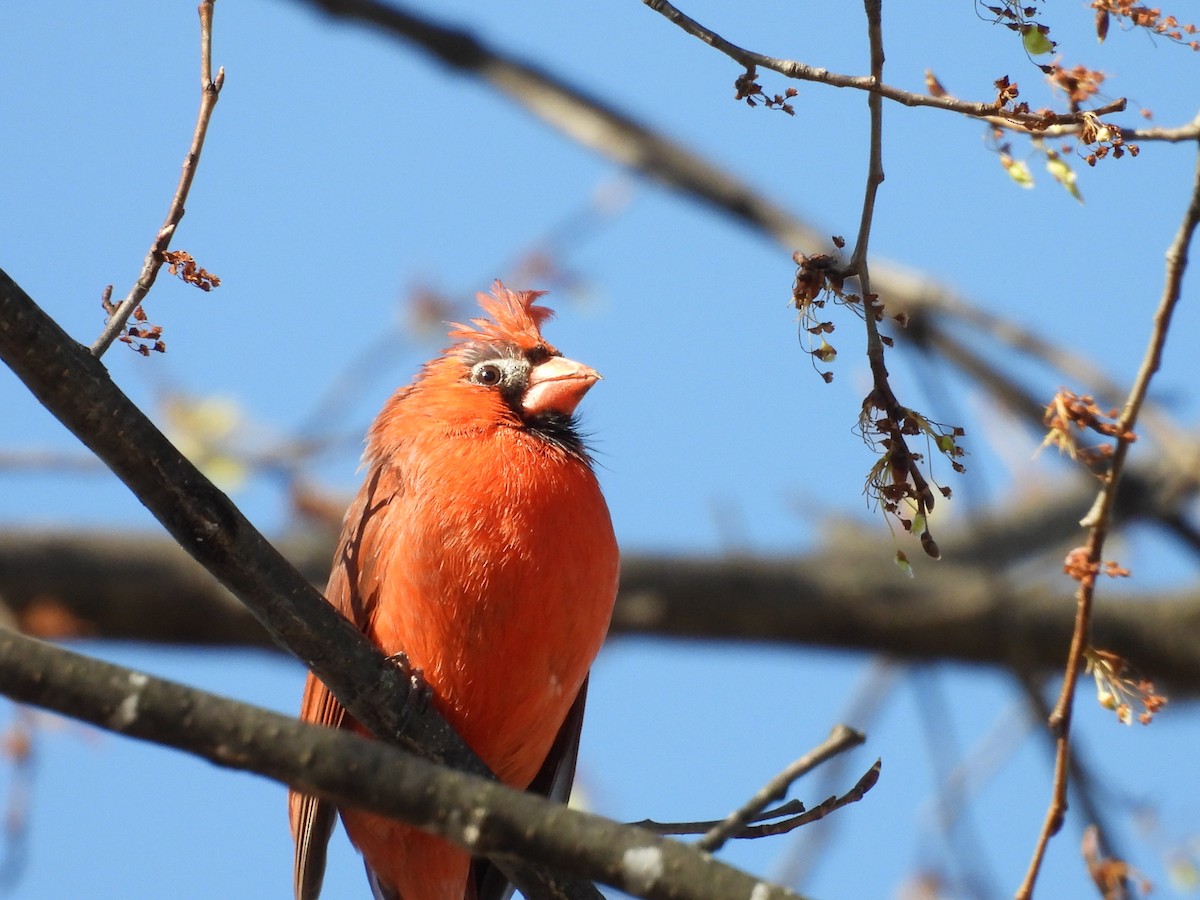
pixel 847 595
pixel 210 90
pixel 1031 121
pixel 479 815
pixel 839 740
pixel 585 118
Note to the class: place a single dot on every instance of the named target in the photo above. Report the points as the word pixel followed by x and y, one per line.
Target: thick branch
pixel 139 587
pixel 483 817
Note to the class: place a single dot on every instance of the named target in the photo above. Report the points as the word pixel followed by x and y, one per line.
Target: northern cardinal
pixel 480 547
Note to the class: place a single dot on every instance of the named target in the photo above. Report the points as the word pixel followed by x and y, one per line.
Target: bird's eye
pixel 488 374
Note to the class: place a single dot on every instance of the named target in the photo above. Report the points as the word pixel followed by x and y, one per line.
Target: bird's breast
pixel 498 584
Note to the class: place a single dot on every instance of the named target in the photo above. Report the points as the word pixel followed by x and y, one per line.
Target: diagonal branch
pixel 479 815
pixel 585 118
pixel 210 90
pixel 839 740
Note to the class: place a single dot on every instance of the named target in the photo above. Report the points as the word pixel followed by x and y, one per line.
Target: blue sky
pixel 342 170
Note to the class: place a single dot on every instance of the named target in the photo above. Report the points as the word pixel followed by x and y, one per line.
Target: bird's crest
pixel 514 318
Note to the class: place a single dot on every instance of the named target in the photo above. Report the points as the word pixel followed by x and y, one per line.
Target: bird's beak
pixel 557 386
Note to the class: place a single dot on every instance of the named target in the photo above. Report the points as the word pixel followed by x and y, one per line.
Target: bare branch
pixel 846 595
pixel 1188 132
pixel 791 808
pixel 839 740
pixel 798 816
pixel 210 90
pixel 832 805
pixel 479 815
pixel 1032 121
pixel 585 118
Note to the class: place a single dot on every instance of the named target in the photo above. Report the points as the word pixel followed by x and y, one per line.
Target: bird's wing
pixel 553 781
pixel 313 818
pixel 349 591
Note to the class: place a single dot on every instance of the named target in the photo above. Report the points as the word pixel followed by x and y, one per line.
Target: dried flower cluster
pixel 142 337
pixel 1078 84
pixel 1142 17
pixel 895 481
pixel 1079 566
pixel 747 88
pixel 1069 413
pixel 1104 139
pixel 819 279
pixel 1118 690
pixel 181 264
pixel 1110 875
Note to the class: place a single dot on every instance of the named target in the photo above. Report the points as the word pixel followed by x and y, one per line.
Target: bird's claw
pixel 419 690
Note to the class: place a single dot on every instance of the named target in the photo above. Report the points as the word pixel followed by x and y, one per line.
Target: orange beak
pixel 557 386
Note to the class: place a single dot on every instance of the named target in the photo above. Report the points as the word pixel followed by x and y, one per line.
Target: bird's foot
pixel 419 692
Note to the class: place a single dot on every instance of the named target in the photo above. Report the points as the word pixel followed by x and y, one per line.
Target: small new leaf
pixel 1063 174
pixel 1036 42
pixel 1017 171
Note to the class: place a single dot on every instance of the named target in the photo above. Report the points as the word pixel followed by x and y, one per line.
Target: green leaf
pixel 1063 174
pixel 1017 171
pixel 1036 42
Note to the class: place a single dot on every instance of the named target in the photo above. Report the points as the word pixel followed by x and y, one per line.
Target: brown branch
pixel 832 805
pixel 76 388
pixel 583 117
pixel 1179 134
pixel 785 826
pixel 839 740
pixel 210 90
pixel 791 808
pixel 874 691
pixel 846 595
pixel 1032 121
pixel 1099 520
pixel 479 815
pixel 1084 785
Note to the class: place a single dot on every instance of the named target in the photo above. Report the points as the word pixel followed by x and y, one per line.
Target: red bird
pixel 480 546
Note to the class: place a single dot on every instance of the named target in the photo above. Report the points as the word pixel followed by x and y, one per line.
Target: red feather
pixel 480 546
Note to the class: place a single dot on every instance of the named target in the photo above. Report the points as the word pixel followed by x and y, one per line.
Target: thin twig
pixel 833 804
pixel 858 262
pixel 1030 121
pixel 1098 521
pixel 1085 787
pixel 772 829
pixel 839 740
pixel 1188 132
pixel 791 808
pixel 210 89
